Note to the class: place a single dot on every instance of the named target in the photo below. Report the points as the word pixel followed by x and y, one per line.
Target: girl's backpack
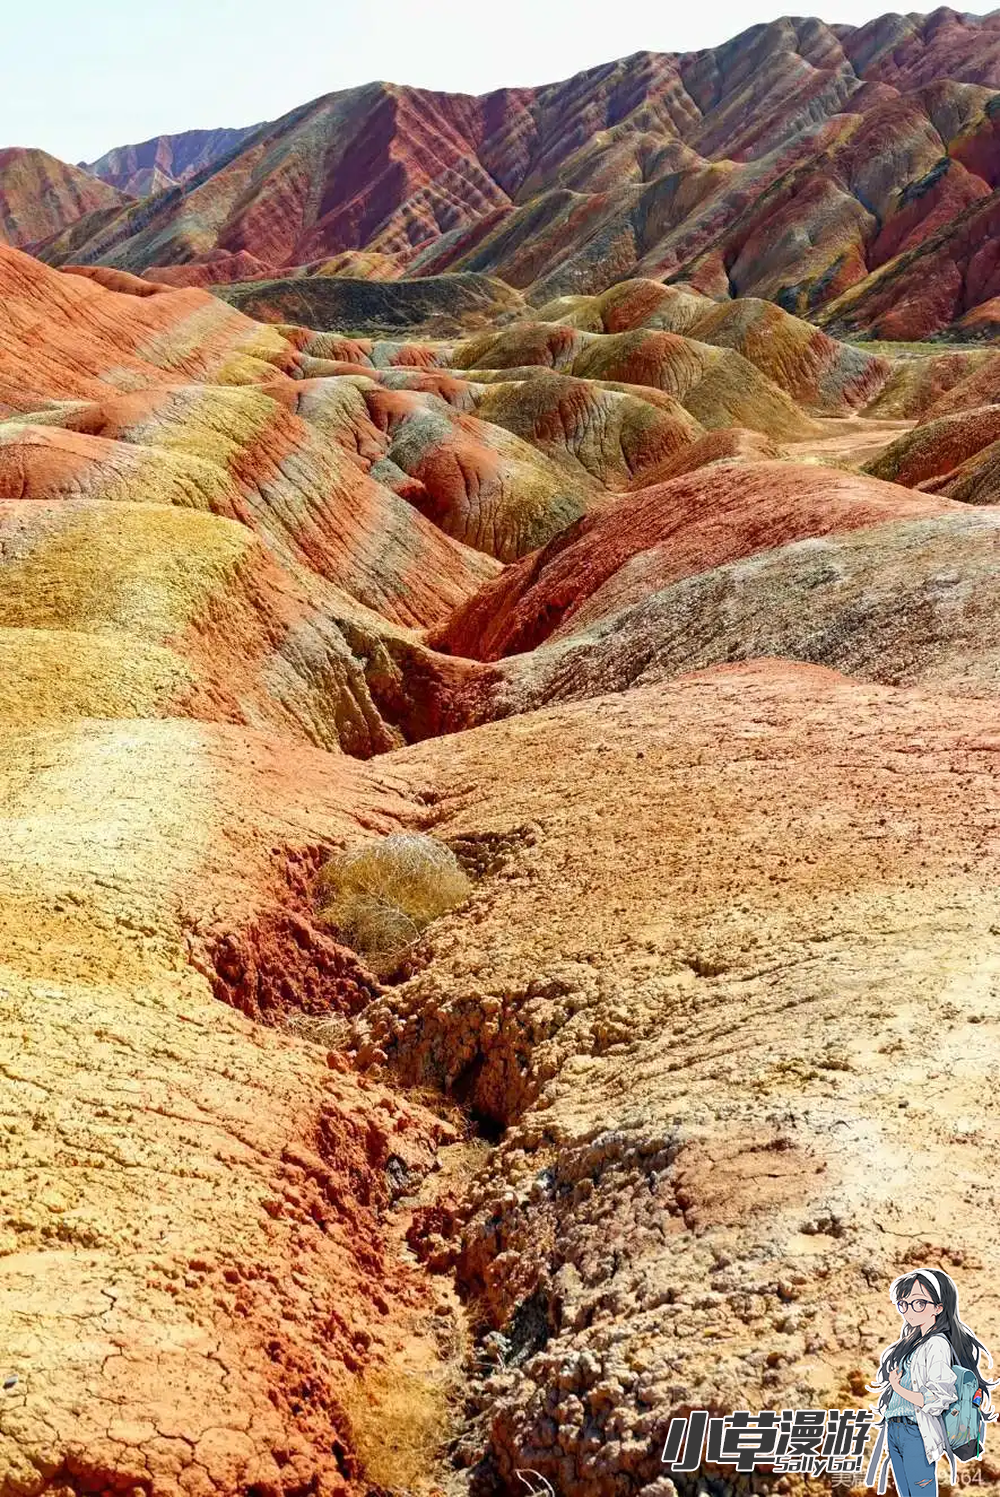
pixel 965 1422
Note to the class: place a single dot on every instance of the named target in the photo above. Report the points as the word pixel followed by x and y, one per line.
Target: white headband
pixel 919 1273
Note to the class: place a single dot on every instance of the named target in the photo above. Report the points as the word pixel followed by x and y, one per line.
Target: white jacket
pixel 931 1375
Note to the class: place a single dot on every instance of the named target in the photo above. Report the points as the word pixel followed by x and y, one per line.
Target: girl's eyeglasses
pixel 917 1305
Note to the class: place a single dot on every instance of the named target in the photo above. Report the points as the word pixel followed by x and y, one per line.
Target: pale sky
pixel 80 76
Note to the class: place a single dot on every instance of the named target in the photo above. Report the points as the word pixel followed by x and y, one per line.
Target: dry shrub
pixel 400 1424
pixel 380 897
pixel 332 1031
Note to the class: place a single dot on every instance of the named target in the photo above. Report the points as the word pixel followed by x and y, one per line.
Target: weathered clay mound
pixel 819 373
pixel 115 280
pixel 719 387
pixel 823 376
pixel 201 1279
pixel 905 603
pixel 174 612
pixel 62 335
pixel 658 535
pixel 524 343
pixel 482 484
pixel 732 444
pixel 244 455
pixel 631 304
pixel 600 434
pixel 222 268
pixel 917 384
pixel 212 270
pixel 936 447
pixel 979 386
pixel 976 481
pixel 980 325
pixel 362 265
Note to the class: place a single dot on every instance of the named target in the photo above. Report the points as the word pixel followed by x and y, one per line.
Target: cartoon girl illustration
pixel 918 1383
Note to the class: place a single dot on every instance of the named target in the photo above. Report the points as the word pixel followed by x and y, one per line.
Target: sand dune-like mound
pixel 660 534
pixel 718 387
pixel 599 433
pixel 732 444
pixel 244 455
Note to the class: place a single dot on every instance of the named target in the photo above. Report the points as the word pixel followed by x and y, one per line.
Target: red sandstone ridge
pixel 931 286
pixel 789 164
pixel 40 195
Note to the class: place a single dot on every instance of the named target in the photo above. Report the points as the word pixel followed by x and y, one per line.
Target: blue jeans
pixel 912 1471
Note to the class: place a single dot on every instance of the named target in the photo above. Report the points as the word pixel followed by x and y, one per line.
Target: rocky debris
pixel 822 375
pixel 693 1011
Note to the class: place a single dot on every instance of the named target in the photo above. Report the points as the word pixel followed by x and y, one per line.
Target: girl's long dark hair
pixel 965 1347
